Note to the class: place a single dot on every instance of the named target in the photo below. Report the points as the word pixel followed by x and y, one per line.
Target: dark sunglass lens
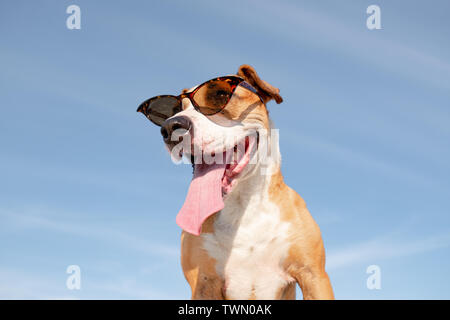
pixel 163 108
pixel 213 96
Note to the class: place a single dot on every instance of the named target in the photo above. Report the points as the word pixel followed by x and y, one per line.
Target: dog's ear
pixel 265 90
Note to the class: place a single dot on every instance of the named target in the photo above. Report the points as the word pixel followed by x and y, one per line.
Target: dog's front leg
pixel 206 288
pixel 315 284
pixel 307 266
pixel 199 269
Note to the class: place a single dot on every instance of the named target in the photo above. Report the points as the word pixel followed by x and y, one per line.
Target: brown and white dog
pixel 264 240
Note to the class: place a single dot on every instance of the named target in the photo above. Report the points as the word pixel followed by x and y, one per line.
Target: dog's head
pixel 220 146
pixel 206 138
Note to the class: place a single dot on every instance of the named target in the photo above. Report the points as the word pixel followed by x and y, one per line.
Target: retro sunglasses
pixel 209 98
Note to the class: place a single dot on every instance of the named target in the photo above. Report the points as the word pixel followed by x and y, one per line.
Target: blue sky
pixel 85 180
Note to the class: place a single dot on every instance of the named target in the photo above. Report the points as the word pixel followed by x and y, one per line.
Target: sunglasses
pixel 209 98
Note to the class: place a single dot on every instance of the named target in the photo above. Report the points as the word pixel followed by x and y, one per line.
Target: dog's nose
pixel 172 124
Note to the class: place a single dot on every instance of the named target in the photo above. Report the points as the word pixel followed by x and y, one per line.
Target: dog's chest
pixel 249 245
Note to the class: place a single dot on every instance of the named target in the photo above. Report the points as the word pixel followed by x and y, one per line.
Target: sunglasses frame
pixel 234 82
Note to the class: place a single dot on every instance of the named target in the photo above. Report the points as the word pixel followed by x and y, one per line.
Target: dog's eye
pixel 213 97
pixel 218 97
pixel 222 93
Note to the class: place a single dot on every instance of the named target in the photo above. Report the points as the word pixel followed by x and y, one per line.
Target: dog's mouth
pixel 212 180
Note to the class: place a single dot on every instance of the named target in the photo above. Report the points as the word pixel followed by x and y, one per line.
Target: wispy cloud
pixel 358 158
pixel 335 35
pixel 128 288
pixel 125 181
pixel 20 284
pixel 386 247
pixel 36 220
pixel 110 280
pixel 16 284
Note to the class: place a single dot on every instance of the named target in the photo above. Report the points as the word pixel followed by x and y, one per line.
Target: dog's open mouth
pixel 211 182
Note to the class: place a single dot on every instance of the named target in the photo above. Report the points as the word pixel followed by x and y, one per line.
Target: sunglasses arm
pixel 248 86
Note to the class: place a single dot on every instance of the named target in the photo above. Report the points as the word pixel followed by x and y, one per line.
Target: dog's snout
pixel 173 124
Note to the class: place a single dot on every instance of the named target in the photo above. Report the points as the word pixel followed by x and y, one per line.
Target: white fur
pixel 249 242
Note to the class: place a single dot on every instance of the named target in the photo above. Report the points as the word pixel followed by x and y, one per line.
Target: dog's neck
pixel 252 188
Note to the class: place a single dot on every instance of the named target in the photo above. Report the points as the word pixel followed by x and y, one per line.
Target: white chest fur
pixel 249 244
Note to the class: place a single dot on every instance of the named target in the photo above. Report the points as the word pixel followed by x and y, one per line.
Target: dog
pixel 246 234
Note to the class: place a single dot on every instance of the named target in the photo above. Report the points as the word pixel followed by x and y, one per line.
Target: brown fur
pixel 306 256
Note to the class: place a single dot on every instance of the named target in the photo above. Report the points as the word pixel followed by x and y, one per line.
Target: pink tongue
pixel 204 197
